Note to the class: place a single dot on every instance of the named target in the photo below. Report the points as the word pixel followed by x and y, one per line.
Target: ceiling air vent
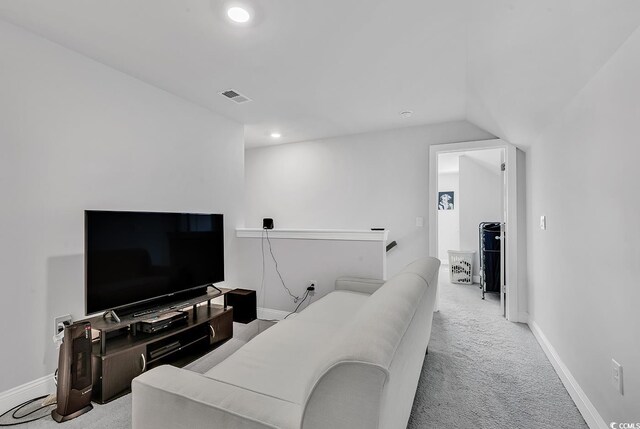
pixel 235 96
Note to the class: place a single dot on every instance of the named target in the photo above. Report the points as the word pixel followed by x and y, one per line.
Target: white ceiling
pixel 313 68
pixel 322 68
pixel 528 59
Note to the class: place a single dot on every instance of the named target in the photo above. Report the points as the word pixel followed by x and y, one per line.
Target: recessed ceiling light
pixel 238 14
pixel 276 135
pixel 406 114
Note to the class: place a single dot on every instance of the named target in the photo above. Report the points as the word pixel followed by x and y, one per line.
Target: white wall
pixel 449 220
pixel 77 135
pixel 354 182
pixel 302 261
pixel 584 268
pixel 480 200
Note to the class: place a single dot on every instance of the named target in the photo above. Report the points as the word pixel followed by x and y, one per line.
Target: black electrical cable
pixel 295 298
pixel 306 295
pixel 262 294
pixel 17 408
pixel 309 303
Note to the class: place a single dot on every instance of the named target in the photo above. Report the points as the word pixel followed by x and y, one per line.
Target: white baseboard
pixel 589 413
pixel 12 397
pixel 271 314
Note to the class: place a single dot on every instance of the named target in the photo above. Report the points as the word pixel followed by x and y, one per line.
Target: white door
pixel 503 249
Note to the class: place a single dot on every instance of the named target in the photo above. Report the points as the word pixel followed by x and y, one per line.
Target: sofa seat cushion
pixel 282 361
pixel 279 362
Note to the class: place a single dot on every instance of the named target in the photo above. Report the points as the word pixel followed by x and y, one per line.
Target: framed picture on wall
pixel 445 200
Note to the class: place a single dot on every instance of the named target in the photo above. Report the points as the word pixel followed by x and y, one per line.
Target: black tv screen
pixel 136 257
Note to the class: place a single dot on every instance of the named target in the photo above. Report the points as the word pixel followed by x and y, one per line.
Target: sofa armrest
pixel 359 284
pixel 169 397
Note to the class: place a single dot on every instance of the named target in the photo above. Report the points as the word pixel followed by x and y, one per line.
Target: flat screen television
pixel 136 259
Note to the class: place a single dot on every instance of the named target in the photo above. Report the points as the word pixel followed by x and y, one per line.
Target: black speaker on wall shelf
pixel 75 381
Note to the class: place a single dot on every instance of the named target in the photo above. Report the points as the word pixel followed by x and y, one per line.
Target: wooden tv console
pixel 121 352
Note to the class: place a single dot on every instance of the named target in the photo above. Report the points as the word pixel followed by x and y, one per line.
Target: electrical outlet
pixel 313 283
pixel 616 376
pixel 60 322
pixel 419 221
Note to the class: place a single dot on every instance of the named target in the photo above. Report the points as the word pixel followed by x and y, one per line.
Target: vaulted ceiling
pixel 528 59
pixel 317 69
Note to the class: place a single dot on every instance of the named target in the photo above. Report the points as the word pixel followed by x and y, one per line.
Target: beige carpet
pixel 484 372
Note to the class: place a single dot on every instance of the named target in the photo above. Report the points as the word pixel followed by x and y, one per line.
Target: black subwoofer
pixel 244 305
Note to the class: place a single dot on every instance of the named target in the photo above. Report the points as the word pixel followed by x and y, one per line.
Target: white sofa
pixel 350 360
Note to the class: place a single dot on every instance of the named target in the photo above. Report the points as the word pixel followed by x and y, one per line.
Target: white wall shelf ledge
pixel 315 234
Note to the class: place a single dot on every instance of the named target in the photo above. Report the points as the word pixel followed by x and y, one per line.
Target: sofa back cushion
pixel 363 350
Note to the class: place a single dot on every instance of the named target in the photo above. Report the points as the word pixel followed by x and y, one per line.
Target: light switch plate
pixel 616 376
pixel 543 222
pixel 420 221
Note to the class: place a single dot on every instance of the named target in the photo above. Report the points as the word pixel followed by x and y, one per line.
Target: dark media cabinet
pixel 121 352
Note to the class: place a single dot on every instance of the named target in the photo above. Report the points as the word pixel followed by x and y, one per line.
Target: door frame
pixel 513 230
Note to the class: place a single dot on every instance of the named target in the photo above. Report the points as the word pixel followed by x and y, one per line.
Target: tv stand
pixel 121 351
pixel 112 314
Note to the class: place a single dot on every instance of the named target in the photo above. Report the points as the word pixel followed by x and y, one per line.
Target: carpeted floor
pixel 481 372
pixel 484 372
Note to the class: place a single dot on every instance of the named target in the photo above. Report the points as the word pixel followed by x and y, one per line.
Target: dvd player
pixel 156 324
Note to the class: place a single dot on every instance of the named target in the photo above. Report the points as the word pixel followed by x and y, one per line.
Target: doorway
pixel 474 185
pixel 470 217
